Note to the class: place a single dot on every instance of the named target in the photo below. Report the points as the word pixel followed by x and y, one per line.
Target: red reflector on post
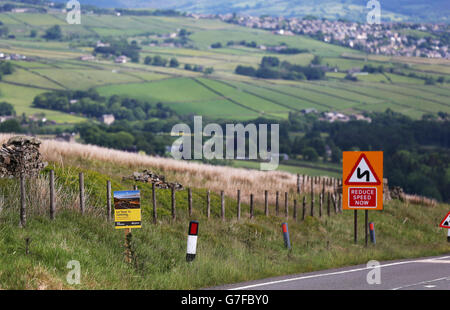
pixel 371 226
pixel 284 228
pixel 193 228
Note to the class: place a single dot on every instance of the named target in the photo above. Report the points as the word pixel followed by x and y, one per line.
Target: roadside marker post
pixel 192 241
pixel 287 242
pixel 372 232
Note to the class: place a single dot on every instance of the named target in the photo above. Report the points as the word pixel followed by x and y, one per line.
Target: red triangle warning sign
pixel 445 222
pixel 362 173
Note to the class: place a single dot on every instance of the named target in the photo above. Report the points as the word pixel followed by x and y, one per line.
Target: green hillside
pixel 55 65
pixel 228 251
pixel 405 10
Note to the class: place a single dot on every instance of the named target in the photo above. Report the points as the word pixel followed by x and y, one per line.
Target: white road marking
pixel 419 283
pixel 332 274
pixel 435 261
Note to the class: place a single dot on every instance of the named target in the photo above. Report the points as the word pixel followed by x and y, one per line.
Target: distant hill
pixel 393 10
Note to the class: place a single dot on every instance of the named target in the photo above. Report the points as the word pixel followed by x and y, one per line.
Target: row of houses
pixel 4 56
pixel 385 38
pixel 119 59
pixel 337 116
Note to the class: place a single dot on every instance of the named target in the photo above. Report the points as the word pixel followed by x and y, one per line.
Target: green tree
pixel 310 154
pixel 6 109
pixel 10 126
pixel 336 155
pixel 209 70
pixel 317 60
pixel 159 61
pixel 53 33
pixel 174 63
pixel 148 60
pixel 4 31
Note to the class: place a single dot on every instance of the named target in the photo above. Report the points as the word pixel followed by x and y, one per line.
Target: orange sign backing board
pixel 362 176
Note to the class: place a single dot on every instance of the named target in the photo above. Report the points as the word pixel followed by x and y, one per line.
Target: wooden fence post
pixel 52 194
pixel 266 203
pixel 320 204
pixel 238 204
pixel 174 215
pixel 298 183
pixel 340 203
pixel 323 188
pixel 154 202
pixel 81 179
pixel 23 215
pixel 222 205
pixel 208 204
pixel 333 199
pixel 304 208
pixel 295 210
pixel 190 201
pixel 277 206
pixel 108 200
pixel 251 206
pixel 286 211
pixel 328 205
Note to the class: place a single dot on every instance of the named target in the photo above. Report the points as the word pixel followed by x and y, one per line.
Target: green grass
pixel 37 19
pixel 227 252
pixel 171 90
pixel 27 77
pixel 244 98
pixel 22 97
pixel 185 96
pixel 86 78
pixel 215 109
pixel 204 39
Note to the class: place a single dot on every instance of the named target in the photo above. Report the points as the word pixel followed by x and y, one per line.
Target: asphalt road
pixel 429 273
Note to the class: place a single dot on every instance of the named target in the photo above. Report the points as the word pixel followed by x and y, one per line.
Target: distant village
pixel 392 39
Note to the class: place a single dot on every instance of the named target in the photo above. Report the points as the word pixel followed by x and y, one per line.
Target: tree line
pixel 272 68
pixel 89 103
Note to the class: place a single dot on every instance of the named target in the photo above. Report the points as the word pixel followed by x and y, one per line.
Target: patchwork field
pixel 54 65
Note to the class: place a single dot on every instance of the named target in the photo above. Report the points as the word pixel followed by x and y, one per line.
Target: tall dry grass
pixel 37 193
pixel 190 174
pixel 420 200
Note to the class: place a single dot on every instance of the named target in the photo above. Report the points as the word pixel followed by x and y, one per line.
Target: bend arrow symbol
pixel 361 175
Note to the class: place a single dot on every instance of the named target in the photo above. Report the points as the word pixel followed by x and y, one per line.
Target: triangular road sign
pixel 446 221
pixel 362 173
